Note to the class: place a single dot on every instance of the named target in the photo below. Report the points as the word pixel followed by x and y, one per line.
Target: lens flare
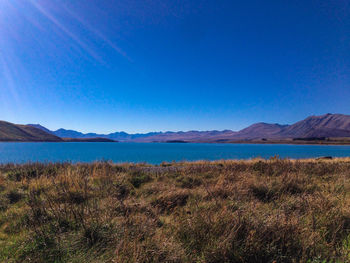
pixel 18 22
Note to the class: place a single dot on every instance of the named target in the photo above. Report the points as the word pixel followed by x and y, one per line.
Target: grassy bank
pixel 227 211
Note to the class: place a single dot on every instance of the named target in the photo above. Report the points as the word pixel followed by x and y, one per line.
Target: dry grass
pixel 225 211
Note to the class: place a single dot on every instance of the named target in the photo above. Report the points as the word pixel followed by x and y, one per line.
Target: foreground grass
pixel 228 211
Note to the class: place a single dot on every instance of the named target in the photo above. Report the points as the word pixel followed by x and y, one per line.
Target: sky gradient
pixel 139 66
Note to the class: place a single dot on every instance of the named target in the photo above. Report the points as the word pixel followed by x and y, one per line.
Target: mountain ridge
pixel 327 125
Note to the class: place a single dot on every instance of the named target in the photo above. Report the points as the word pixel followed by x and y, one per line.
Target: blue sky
pixel 138 66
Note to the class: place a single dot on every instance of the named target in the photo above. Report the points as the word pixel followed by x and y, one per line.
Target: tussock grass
pixel 225 211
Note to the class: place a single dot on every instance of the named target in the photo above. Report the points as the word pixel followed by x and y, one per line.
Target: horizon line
pixel 169 131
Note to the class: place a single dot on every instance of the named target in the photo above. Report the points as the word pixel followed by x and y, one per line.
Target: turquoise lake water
pixel 156 153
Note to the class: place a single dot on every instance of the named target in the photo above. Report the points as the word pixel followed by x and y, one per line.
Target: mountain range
pixel 328 125
pixel 324 126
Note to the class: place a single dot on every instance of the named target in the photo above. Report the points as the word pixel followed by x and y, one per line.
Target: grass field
pixel 224 211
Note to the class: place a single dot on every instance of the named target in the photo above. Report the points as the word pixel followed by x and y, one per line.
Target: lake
pixel 156 153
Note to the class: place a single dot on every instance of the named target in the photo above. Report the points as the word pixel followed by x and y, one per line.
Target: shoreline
pixel 175 164
pixel 286 142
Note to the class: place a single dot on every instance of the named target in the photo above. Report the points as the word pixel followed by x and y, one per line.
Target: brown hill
pixel 328 125
pixel 260 130
pixel 24 133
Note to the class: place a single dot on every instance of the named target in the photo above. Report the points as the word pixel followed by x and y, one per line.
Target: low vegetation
pixel 225 211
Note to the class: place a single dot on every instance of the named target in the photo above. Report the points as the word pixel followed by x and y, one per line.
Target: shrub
pixel 14 196
pixel 139 178
pixel 169 201
pixel 188 182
